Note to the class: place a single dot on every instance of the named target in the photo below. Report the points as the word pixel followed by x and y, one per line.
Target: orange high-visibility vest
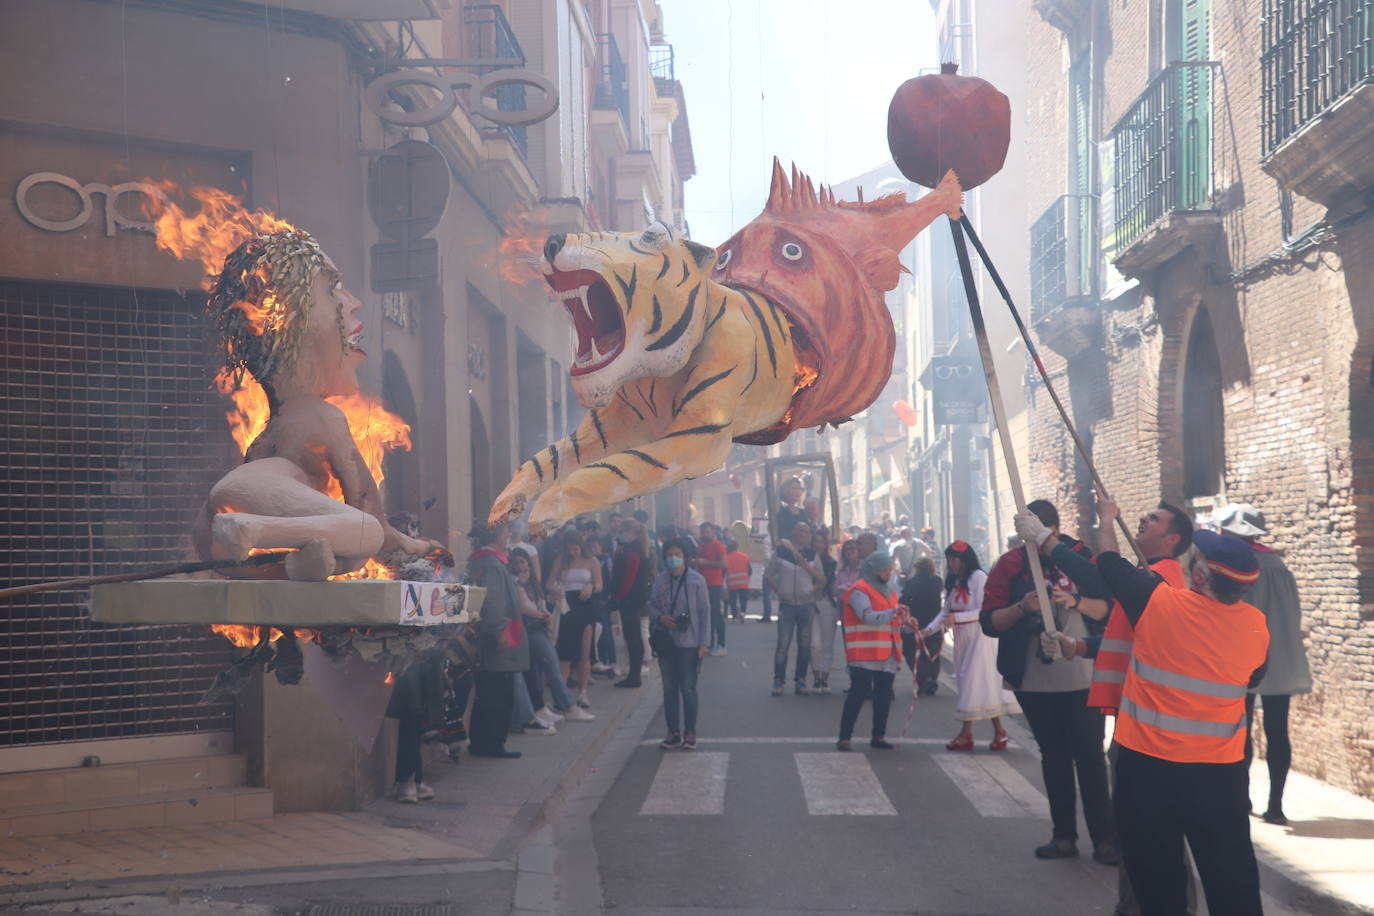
pixel 1114 655
pixel 865 642
pixel 737 570
pixel 1184 698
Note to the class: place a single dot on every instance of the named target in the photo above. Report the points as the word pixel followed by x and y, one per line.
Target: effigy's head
pixel 637 302
pixel 283 315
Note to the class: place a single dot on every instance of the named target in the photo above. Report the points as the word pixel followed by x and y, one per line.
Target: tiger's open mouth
pixel 595 315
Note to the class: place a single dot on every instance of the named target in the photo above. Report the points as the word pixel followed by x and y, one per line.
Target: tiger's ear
pixel 702 254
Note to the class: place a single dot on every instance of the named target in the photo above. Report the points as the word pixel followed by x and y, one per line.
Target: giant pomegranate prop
pixel 945 121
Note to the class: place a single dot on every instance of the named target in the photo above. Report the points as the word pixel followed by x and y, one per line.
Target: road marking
pixel 993 787
pixel 653 742
pixel 688 782
pixel 841 784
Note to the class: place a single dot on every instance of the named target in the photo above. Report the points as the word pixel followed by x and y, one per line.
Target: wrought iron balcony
pixel 612 85
pixel 661 66
pixel 1317 117
pixel 489 35
pixel 1063 255
pixel 1163 149
pixel 1315 51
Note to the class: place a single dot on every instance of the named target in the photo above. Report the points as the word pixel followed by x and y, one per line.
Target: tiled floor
pixel 285 841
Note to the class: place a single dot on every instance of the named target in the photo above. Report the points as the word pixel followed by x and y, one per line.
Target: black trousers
pixel 1070 738
pixel 927 666
pixel 408 762
pixel 1159 803
pixel 630 615
pixel 865 684
pixel 1278 749
pixel 491 711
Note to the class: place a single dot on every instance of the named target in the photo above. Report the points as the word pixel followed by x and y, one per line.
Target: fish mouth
pixel 596 317
pixel 354 340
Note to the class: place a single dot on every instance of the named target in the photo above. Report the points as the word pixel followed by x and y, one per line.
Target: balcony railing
pixel 489 35
pixel 661 66
pixel 612 86
pixel 1063 255
pixel 1163 150
pixel 1315 51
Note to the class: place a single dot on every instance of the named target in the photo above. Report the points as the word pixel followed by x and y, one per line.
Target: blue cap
pixel 1231 557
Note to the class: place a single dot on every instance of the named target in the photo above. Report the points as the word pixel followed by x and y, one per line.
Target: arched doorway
pixel 1204 417
pixel 482 495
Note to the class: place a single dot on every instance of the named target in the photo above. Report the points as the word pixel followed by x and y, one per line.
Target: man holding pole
pixel 1053 694
pixel 1181 725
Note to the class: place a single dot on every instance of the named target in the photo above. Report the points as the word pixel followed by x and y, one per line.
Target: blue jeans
pixel 717 594
pixel 679 668
pixel 793 618
pixel 605 643
pixel 544 667
pixel 522 710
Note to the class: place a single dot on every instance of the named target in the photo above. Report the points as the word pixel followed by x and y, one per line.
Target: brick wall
pixel 1299 423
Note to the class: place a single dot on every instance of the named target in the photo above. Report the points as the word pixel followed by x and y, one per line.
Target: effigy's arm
pixel 602 431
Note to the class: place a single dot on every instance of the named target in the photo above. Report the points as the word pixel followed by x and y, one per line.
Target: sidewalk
pixel 482 811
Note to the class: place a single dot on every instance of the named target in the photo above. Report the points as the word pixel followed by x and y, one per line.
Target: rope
pixel 921 653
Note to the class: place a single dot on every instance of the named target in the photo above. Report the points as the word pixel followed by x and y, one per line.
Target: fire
pixel 523 245
pixel 376 431
pixel 246 637
pixel 390 678
pixel 220 224
pixel 248 417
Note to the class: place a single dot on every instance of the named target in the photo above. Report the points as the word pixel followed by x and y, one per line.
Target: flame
pixel 221 223
pixel 248 417
pixel 390 678
pixel 246 637
pixel 522 248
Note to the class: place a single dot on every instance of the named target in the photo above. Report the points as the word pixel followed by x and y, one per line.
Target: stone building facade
pixel 1200 277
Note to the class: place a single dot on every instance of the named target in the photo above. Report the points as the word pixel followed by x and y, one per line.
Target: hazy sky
pixel 806 80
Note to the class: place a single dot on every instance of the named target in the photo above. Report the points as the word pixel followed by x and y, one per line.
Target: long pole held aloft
pixel 60 585
pixel 1045 377
pixel 999 413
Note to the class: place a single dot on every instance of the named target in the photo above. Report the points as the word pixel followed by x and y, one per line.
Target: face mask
pixel 673 562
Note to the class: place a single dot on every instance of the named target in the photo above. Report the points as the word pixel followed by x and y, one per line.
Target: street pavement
pixel 765 817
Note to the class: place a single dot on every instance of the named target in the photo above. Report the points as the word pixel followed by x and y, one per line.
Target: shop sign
pixel 85 194
pixel 959 390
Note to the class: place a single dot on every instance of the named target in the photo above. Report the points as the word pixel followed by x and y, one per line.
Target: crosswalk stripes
pixel 689 783
pixel 841 784
pixel 993 787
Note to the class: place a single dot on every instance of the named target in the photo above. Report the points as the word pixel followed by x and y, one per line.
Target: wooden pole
pixel 1049 386
pixel 60 585
pixel 980 332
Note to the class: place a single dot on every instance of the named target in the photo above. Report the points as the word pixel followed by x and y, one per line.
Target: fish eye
pixel 724 258
pixel 792 251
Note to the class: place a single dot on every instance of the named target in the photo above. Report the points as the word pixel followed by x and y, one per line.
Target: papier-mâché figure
pixel 681 352
pixel 282 314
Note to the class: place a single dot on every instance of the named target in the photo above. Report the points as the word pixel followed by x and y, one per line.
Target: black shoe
pixel 1057 849
pixel 1274 817
pixel 628 682
pixel 843 745
pixel 882 745
pixel 1106 853
pixel 499 753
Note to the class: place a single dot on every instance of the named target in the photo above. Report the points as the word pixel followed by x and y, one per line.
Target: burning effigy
pixel 305 505
pixel 683 350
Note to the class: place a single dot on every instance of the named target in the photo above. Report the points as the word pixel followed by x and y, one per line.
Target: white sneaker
pixel 583 701
pixel 549 716
pixel 718 651
pixel 578 714
pixel 407 792
pixel 600 668
pixel 644 669
pixel 423 791
pixel 535 727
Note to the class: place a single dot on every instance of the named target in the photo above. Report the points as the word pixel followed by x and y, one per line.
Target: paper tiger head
pixel 637 302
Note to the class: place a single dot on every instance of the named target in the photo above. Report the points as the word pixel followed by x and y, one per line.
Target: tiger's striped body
pixel 701 364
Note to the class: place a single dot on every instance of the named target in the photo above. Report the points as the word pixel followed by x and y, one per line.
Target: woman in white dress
pixel 981 694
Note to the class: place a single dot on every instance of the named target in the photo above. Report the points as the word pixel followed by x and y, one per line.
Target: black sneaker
pixel 1106 853
pixel 881 745
pixel 689 743
pixel 1057 849
pixel 674 740
pixel 1274 817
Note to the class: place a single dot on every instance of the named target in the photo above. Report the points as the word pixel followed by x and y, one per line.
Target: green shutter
pixel 1194 100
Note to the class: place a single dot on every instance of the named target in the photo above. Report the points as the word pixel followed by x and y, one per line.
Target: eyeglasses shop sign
pixel 960 392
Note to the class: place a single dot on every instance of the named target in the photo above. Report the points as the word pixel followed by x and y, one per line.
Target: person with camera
pixel 680 636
